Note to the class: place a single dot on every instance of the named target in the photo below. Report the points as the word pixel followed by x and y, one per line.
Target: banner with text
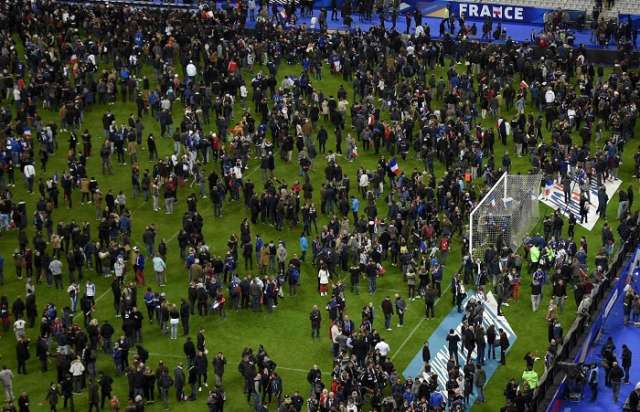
pixel 472 11
pixel 508 13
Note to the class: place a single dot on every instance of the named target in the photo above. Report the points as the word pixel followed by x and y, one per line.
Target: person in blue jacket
pixel 304 246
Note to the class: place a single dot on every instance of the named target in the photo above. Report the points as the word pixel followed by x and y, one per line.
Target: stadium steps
pixel 627 7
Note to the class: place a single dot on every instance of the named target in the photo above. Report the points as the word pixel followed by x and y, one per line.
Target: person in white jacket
pixel 159 267
pixel 76 370
pixel 191 70
pixel 363 183
pixel 29 174
pixel 323 279
pixel 6 378
pixel 383 348
pixel 118 267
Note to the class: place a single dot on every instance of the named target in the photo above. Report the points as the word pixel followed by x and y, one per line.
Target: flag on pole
pixel 393 166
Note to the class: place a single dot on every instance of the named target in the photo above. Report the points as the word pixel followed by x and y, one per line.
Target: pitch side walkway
pixel 439 347
pixel 621 334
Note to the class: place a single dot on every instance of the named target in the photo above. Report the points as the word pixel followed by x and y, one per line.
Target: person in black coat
pixel 106 383
pixel 143 354
pixel 189 350
pixel 193 381
pixel 192 294
pixel 23 402
pixel 185 313
pixel 626 362
pixel 504 345
pixel 200 341
pixel 430 295
pixel 42 351
pixel 66 386
pixel 218 367
pixel 426 353
pixel 316 319
pixel 53 395
pixel 106 332
pixel 178 378
pixel 124 346
pixel 202 364
pixel 94 395
pixel 86 305
pixel 616 375
pixel 453 339
pixel 31 308
pixel 22 354
pixel 18 308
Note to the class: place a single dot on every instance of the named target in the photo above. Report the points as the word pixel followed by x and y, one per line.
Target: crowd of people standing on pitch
pixel 76 59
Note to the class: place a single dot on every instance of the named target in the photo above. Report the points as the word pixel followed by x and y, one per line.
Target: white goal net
pixel 505 215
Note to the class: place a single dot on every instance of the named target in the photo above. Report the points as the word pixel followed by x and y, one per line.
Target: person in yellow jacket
pixel 551 254
pixel 534 257
pixel 531 377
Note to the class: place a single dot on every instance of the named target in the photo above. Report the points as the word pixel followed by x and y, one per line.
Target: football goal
pixel 505 215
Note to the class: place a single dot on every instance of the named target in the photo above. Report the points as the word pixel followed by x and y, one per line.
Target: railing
pixel 576 332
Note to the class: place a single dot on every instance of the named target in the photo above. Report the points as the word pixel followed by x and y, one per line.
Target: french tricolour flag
pixel 393 166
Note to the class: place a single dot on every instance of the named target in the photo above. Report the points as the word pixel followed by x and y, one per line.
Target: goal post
pixel 505 214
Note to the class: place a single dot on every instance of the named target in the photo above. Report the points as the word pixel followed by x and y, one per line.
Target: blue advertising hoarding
pixel 470 10
pixel 634 19
pixel 480 11
pixel 509 13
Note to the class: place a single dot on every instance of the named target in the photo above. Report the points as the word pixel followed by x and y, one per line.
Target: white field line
pixel 415 328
